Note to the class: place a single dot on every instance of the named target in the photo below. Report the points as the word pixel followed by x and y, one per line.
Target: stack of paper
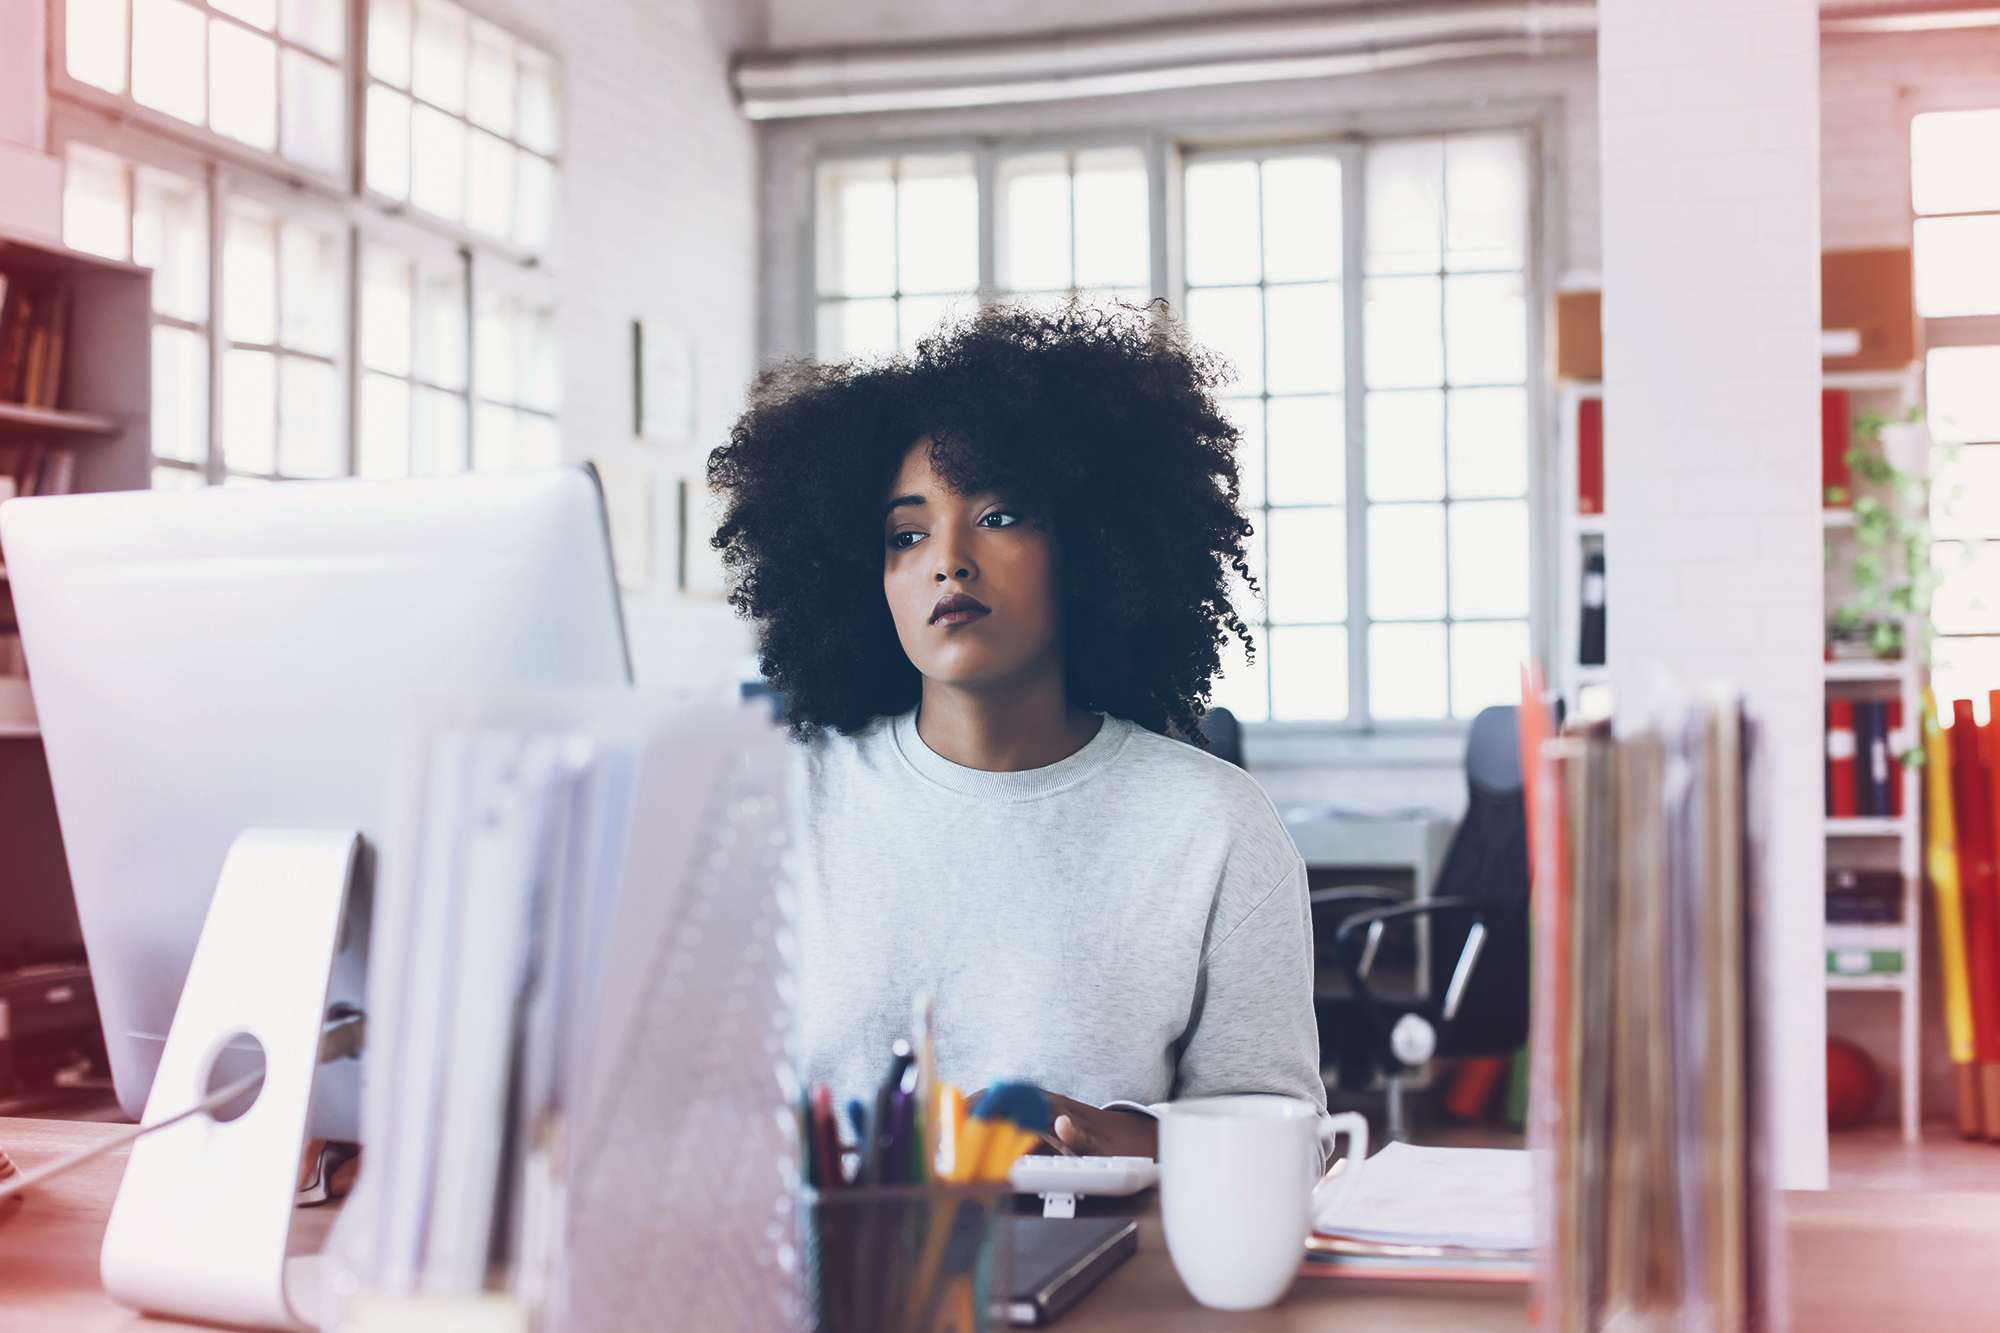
pixel 1648 1044
pixel 1461 1214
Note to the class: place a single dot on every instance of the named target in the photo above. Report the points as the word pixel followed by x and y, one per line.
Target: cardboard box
pixel 1580 335
pixel 1872 293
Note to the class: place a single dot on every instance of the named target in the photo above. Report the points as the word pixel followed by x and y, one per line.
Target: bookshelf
pixel 1880 843
pixel 1578 535
pixel 102 417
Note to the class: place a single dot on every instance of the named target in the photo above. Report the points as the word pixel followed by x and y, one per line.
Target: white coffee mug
pixel 1237 1191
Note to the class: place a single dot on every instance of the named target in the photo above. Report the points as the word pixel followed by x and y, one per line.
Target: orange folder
pixel 1972 811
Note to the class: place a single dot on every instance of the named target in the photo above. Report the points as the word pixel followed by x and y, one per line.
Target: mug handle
pixel 1355 1126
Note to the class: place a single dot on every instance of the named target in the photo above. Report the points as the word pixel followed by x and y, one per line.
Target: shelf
pixel 1866 670
pixel 1876 981
pixel 1592 675
pixel 16 418
pixel 20 731
pixel 1869 381
pixel 1590 525
pixel 1837 518
pixel 1870 826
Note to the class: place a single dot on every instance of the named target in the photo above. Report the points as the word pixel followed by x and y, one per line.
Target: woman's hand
pixel 1092 1131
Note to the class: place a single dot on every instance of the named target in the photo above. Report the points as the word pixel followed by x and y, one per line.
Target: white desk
pixel 1363 842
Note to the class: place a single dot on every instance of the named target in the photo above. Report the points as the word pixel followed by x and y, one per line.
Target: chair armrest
pixel 1356 963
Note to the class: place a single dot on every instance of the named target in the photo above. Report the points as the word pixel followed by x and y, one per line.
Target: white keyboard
pixel 1061 1181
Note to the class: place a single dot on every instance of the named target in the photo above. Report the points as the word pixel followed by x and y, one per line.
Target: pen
pixel 826 1140
pixel 925 1023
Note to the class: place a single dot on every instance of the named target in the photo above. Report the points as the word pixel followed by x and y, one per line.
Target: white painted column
pixel 30 180
pixel 1709 116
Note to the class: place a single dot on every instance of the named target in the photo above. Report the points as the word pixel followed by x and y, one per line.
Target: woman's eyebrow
pixel 901 502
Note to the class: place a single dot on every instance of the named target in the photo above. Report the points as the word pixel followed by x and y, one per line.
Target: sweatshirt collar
pixel 1024 785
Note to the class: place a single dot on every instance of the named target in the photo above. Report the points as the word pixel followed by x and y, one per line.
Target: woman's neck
pixel 1003 729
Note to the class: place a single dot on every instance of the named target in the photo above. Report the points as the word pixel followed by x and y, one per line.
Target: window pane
pixel 1248 416
pixel 177 479
pixel 437 176
pixel 1229 321
pixel 490 197
pixel 312 113
pixel 388 165
pixel 1307 451
pixel 170 236
pixel 1404 333
pixel 1955 161
pixel 1406 446
pixel 1489 442
pixel 250 411
pixel 97 202
pixel 243 85
pixel 856 328
pixel 1035 224
pixel 937 225
pixel 260 13
pixel 249 275
pixel 382 445
pixel 1486 197
pixel 541 363
pixel 1965 496
pixel 438 448
pixel 1405 561
pixel 309 420
pixel 312 302
pixel 1486 329
pixel 489 94
pixel 1405 206
pixel 1958 265
pixel 1301 218
pixel 494 345
pixel 440 353
pixel 537 126
pixel 534 202
pixel 919 316
pixel 1962 386
pixel 1486 665
pixel 1406 675
pixel 1968 596
pixel 1309 674
pixel 319 24
pixel 1113 237
pixel 180 394
pixel 387 282
pixel 1489 558
pixel 1221 204
pixel 168 59
pixel 857 247
pixel 536 443
pixel 1304 347
pixel 94 42
pixel 1240 685
pixel 438 74
pixel 1308 571
pixel 492 438
pixel 389 41
pixel 1965 669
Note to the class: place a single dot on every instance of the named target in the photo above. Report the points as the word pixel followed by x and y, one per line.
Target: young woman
pixel 991 582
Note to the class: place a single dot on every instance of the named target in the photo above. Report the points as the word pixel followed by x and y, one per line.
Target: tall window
pixel 227 170
pixel 1955 190
pixel 1373 300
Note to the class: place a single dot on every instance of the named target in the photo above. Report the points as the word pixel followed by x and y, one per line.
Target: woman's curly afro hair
pixel 1099 419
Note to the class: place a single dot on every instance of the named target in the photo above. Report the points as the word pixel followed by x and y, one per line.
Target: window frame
pixel 115 123
pixel 1166 150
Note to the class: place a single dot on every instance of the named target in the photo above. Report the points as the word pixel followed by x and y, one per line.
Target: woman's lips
pixel 959 617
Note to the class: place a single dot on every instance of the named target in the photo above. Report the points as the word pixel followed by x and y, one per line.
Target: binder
pixel 1590 456
pixel 1895 744
pixel 1841 800
pixel 1878 757
pixel 1972 806
pixel 1590 637
pixel 1864 759
pixel 1835 432
pixel 1941 861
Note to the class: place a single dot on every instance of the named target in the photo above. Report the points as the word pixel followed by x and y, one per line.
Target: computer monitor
pixel 210 661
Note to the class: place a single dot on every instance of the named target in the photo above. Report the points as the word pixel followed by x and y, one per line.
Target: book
pixel 1590 637
pixel 1864 896
pixel 1879 767
pixel 1865 950
pixel 1841 800
pixel 34 329
pixel 1836 432
pixel 1864 759
pixel 1895 744
pixel 1590 456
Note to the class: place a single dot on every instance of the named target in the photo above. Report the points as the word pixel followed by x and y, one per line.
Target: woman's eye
pixel 903 541
pixel 999 518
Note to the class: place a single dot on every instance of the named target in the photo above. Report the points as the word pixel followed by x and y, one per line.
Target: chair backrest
pixel 1488 862
pixel 1225 735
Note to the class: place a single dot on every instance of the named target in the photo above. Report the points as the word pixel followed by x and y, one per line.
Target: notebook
pixel 1058 1260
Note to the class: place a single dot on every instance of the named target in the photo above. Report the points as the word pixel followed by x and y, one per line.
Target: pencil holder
pixel 905 1259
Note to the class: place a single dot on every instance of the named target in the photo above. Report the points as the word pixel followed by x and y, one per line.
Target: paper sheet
pixel 1470 1197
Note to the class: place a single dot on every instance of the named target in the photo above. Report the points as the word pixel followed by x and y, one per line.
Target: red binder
pixel 1898 744
pixel 1841 769
pixel 1972 808
pixel 1590 456
pixel 1836 432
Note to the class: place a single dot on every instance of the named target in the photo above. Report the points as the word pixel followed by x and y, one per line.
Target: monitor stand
pixel 203 1215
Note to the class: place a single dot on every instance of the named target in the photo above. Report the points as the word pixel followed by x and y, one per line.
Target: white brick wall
pixel 1711 319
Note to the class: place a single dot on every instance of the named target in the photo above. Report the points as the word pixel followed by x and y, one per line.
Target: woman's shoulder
pixel 1198 781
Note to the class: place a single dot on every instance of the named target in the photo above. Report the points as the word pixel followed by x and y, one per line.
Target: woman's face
pixel 971 580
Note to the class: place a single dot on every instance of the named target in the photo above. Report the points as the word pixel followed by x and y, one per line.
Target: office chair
pixel 1478 930
pixel 1225 735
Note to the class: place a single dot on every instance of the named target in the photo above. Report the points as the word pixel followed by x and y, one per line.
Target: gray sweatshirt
pixel 1126 924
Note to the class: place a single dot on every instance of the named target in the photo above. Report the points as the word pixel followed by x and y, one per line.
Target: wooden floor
pixel 1876 1158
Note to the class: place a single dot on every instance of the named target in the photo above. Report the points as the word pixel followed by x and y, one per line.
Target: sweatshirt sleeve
pixel 1254 1029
